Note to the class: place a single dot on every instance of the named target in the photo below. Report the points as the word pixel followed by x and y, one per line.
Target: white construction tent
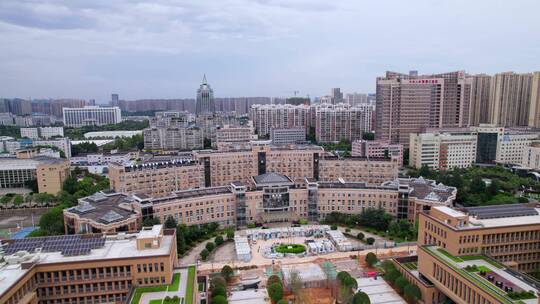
pixel 242 248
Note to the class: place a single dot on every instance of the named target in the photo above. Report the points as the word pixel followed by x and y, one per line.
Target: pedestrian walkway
pixel 181 292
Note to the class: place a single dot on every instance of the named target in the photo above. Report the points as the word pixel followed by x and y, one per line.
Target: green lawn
pixel 140 290
pixel 481 257
pixel 160 301
pixel 476 268
pixel 190 285
pixel 291 248
pixel 448 255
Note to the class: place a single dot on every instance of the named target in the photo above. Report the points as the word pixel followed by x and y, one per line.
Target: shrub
pixel 291 248
pixel 392 275
pixel 412 293
pixel 227 272
pixel 333 227
pixel 219 300
pixel 273 279
pixel 204 254
pixel 217 281
pixel 400 284
pixel 219 291
pixel 371 259
pixel 275 291
pixel 370 241
pixel 360 236
pixel 230 234
pixel 210 246
pixel 219 240
pixel 361 298
pixel 387 265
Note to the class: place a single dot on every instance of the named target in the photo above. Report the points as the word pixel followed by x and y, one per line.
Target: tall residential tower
pixel 205 99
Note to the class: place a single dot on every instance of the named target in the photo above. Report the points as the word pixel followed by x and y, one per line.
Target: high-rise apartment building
pixel 173 138
pixel 267 117
pixel 91 116
pixel 356 99
pixel 205 99
pixel 480 89
pixel 341 121
pixel 510 97
pixel 408 103
pixel 337 96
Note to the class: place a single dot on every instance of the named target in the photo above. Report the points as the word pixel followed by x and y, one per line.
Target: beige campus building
pixel 93 268
pixel 266 198
pixel 212 168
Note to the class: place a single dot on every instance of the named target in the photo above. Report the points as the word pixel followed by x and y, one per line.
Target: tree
pixel 295 283
pixel 218 240
pixel 370 241
pixel 210 246
pixel 273 279
pixel 219 300
pixel 227 272
pixel 150 221
pixel 170 222
pixel 230 234
pixel 204 254
pixel 275 291
pixel 477 185
pixel 360 236
pixel 368 136
pixel 387 265
pixel 217 281
pixel 392 275
pixel 219 291
pixel 361 298
pixel 52 221
pixel 333 227
pixel 180 240
pixel 400 284
pixel 371 259
pixel 412 293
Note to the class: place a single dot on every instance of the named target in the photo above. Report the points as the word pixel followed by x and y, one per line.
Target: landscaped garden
pixel 190 283
pixel 172 287
pixel 290 248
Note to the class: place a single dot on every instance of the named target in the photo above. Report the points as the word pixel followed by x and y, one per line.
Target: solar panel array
pixel 68 245
pixel 491 212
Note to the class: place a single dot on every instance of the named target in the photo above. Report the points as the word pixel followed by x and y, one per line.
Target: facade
pixel 234 134
pixel 443 150
pixel 55 270
pixel 205 99
pixel 62 144
pixel 173 138
pixel 510 95
pixel 50 173
pixel 358 169
pixel 531 157
pixel 42 132
pixel 507 233
pixel 269 116
pixel 288 136
pixel 479 109
pixel 211 168
pixel 91 116
pixel 503 145
pixel 341 121
pixel 377 149
pixel 273 197
pixel 409 103
pixel 156 177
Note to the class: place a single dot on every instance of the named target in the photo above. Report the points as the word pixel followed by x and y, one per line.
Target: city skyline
pixel 251 48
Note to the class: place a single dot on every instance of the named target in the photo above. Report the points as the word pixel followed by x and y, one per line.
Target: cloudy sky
pixel 160 49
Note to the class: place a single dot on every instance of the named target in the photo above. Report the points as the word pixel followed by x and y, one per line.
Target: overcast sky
pixel 161 49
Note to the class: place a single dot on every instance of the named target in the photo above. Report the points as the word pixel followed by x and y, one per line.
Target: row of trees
pixel 472 189
pixel 410 291
pixel 376 219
